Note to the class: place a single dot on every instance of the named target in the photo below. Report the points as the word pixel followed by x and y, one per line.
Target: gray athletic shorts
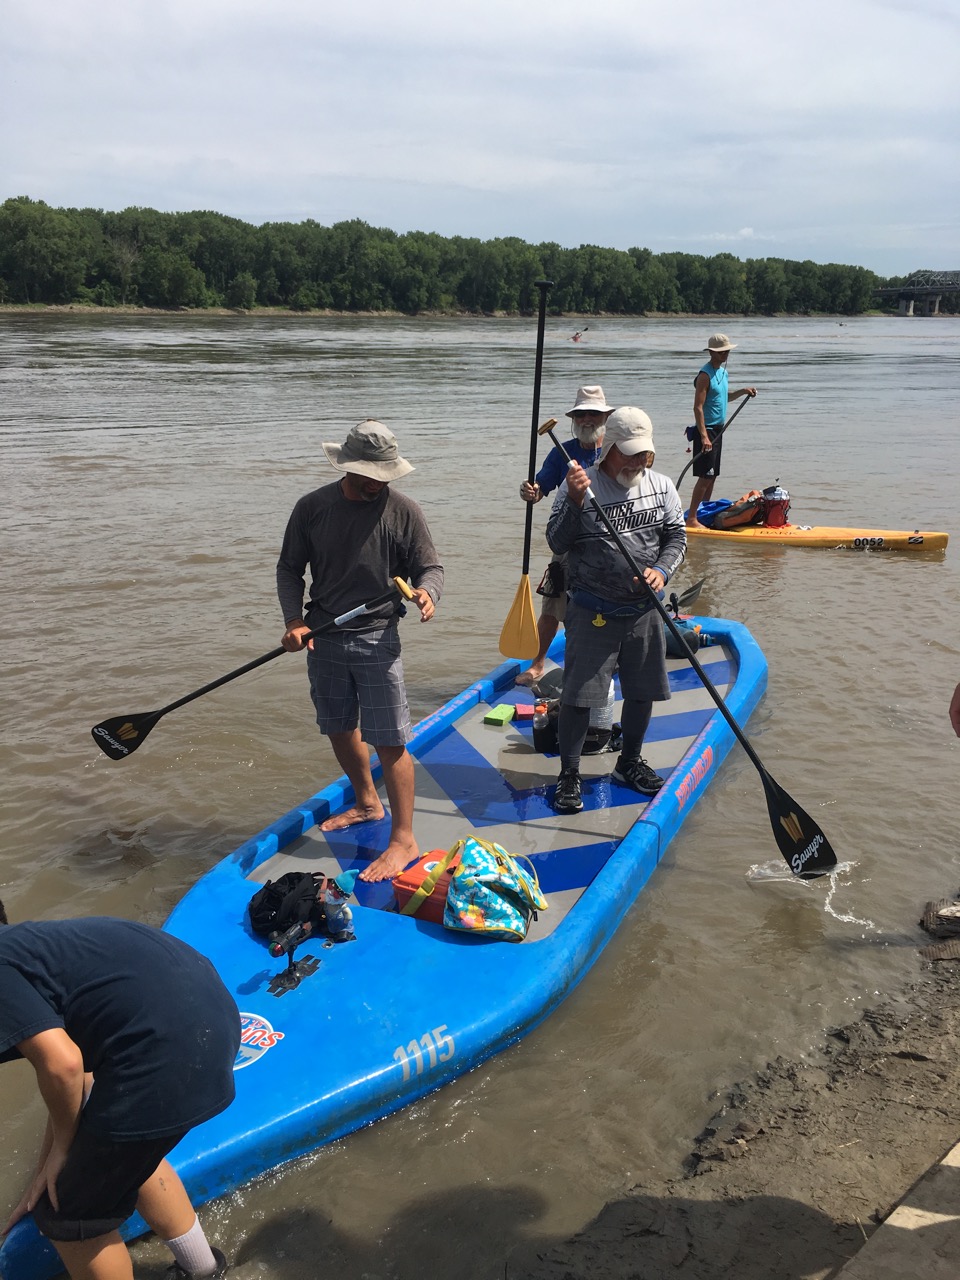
pixel 357 677
pixel 635 645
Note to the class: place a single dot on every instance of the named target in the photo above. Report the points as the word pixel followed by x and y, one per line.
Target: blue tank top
pixel 715 405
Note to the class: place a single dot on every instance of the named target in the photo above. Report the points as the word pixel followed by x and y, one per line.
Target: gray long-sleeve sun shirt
pixel 649 519
pixel 353 549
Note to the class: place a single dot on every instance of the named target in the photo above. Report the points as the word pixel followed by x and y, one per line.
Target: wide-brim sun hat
pixel 719 342
pixel 370 450
pixel 589 400
pixel 630 430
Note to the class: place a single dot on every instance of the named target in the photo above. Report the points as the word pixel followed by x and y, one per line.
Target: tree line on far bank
pixel 143 257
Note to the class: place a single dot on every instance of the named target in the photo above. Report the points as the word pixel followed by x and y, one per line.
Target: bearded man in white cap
pixel 588 416
pixel 356 534
pixel 710 398
pixel 611 622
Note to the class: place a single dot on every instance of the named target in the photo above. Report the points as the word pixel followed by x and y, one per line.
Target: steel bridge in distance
pixel 921 292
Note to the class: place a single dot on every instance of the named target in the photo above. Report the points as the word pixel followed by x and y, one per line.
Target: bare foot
pixel 353 817
pixel 397 855
pixel 695 524
pixel 530 676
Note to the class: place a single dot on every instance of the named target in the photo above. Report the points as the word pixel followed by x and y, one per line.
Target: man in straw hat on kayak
pixel 611 623
pixel 356 534
pixel 710 397
pixel 588 416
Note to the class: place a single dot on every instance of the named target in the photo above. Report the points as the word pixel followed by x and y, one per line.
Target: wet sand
pixel 800 1163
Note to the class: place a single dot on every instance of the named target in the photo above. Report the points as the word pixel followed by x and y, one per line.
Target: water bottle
pixel 602 717
pixel 544 730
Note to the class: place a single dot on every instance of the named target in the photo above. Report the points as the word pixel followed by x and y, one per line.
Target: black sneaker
pixel 176 1272
pixel 638 775
pixel 567 797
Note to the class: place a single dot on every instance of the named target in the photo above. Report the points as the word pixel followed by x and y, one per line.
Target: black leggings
pixel 575 721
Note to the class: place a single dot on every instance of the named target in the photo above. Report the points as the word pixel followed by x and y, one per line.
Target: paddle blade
pixel 691 594
pixel 519 637
pixel 120 736
pixel 805 847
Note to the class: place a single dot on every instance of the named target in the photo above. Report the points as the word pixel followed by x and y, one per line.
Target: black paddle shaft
pixel 120 736
pixel 543 286
pixel 800 840
pixel 716 437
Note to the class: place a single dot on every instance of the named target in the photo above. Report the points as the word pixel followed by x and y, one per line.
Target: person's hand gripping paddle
pixel 121 735
pixel 807 850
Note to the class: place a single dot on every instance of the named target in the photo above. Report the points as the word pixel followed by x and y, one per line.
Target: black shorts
pixel 99 1184
pixel 707 464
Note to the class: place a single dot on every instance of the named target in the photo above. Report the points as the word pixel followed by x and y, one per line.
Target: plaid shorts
pixel 634 645
pixel 357 677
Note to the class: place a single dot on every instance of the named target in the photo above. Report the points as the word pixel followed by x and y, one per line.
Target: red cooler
pixel 406 884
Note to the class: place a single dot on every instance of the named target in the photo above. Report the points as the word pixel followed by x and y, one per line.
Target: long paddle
pixel 519 637
pixel 120 736
pixel 715 438
pixel 800 840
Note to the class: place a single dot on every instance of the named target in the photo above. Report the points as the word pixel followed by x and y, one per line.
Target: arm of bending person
pixel 58 1064
pixel 955 710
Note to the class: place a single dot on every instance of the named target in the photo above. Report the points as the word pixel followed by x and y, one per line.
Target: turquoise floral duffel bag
pixel 491 894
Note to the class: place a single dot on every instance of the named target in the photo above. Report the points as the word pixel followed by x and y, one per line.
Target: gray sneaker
pixel 637 775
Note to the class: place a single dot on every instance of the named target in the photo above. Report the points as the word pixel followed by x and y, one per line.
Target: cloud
pixel 617 123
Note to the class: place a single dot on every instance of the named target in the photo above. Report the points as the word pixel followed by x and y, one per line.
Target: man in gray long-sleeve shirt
pixel 610 624
pixel 357 534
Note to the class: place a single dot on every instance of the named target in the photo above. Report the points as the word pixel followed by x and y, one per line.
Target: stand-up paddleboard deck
pixel 800 535
pixel 410 1006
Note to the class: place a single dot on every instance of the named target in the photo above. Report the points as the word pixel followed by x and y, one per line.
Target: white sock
pixel 193 1252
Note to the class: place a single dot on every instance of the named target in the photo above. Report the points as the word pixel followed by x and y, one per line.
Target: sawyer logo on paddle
pixel 256 1037
pixel 800 860
pixel 126 731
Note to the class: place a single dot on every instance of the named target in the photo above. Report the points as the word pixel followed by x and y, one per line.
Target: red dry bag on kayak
pixel 776 505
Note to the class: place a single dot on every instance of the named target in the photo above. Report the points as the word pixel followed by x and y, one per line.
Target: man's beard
pixel 588 435
pixel 628 479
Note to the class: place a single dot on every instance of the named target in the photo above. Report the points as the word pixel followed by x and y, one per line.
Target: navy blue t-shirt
pixel 555 467
pixel 154 1023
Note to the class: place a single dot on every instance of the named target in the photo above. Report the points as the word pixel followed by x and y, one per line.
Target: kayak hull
pixel 409 1005
pixel 798 535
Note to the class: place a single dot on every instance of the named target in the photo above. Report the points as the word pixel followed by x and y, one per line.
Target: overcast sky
pixel 827 130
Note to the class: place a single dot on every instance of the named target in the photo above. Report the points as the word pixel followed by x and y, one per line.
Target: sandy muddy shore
pixel 800 1163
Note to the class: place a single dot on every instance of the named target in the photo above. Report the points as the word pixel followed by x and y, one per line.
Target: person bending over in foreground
pixel 611 622
pixel 139 1024
pixel 588 414
pixel 710 397
pixel 356 534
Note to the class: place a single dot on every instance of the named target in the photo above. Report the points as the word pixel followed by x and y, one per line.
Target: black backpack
pixel 293 899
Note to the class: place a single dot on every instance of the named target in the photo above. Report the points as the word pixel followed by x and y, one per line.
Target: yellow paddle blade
pixel 519 637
